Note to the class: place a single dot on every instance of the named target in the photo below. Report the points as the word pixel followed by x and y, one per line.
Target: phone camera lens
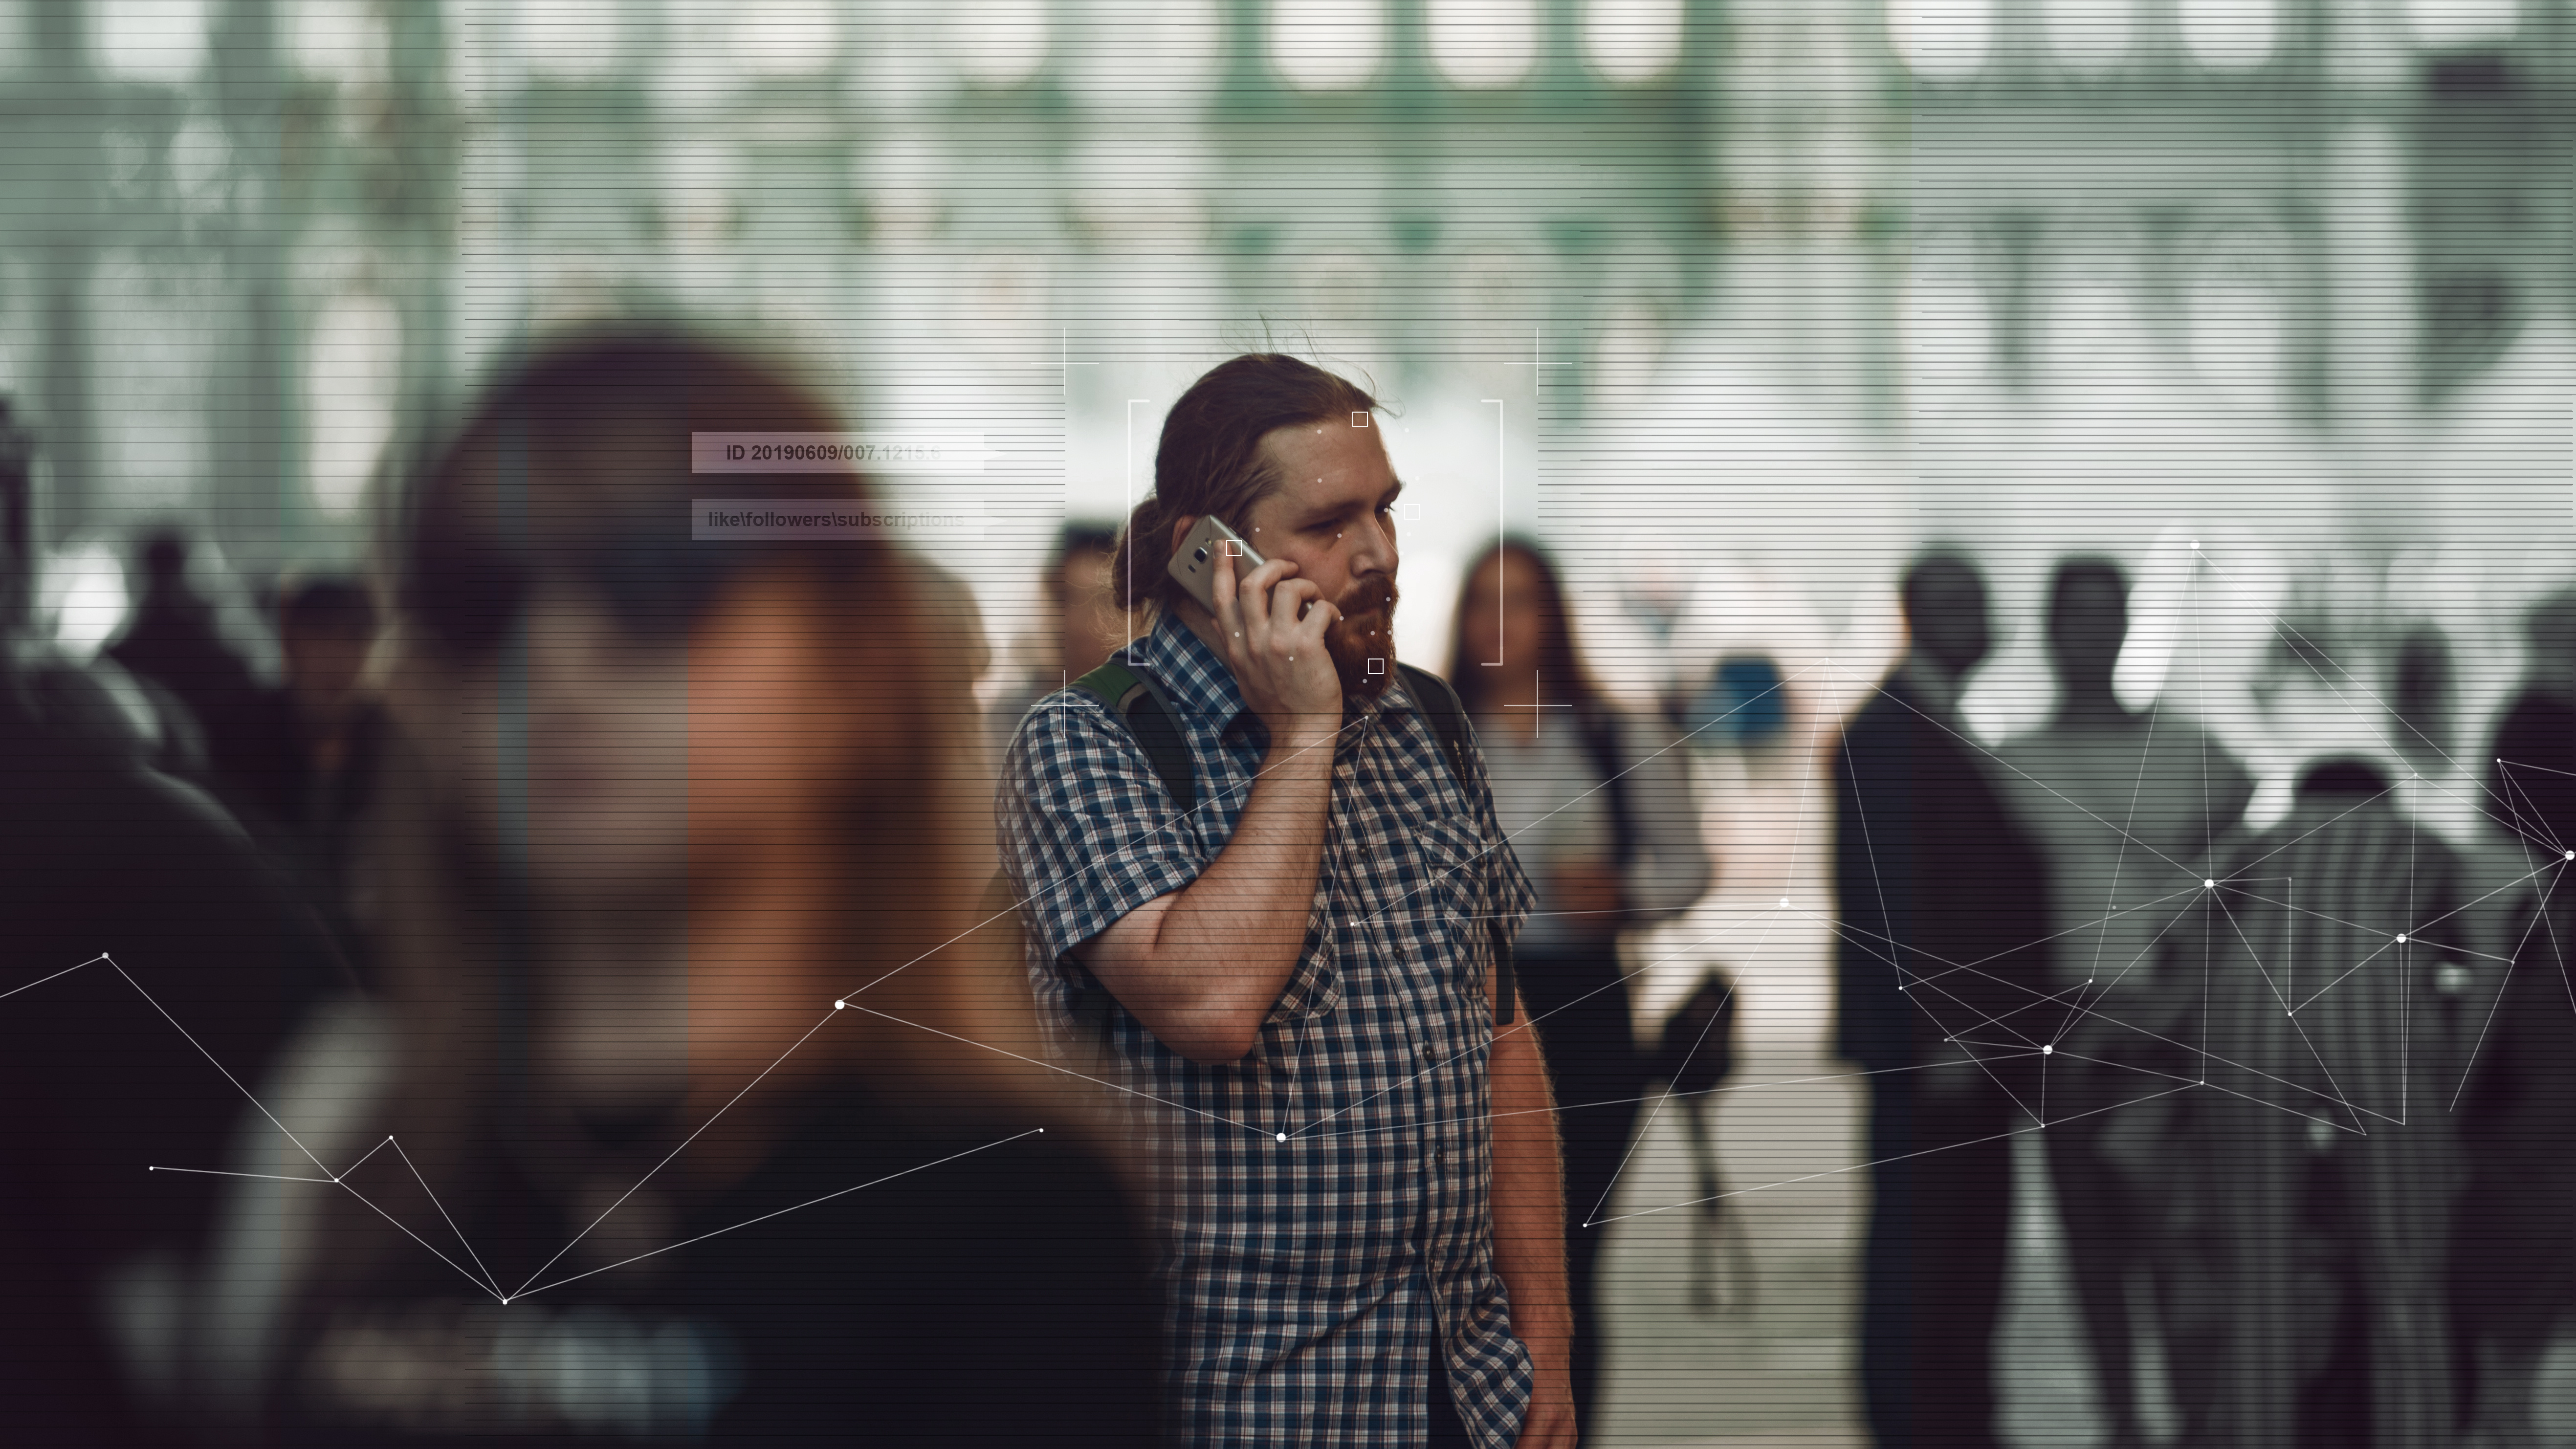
pixel 1201 555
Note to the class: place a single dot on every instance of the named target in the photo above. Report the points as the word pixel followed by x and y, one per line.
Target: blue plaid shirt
pixel 1316 1285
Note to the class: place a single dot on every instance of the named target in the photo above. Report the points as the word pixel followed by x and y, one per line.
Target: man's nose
pixel 1376 554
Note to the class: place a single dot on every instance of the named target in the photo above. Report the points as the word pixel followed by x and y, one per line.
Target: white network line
pixel 479 1276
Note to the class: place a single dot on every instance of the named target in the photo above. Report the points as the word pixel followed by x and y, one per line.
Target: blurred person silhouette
pixel 1083 615
pixel 323 726
pixel 2420 697
pixel 2531 780
pixel 153 959
pixel 1942 999
pixel 2315 1013
pixel 691 1106
pixel 2513 1261
pixel 1599 808
pixel 173 642
pixel 2123 804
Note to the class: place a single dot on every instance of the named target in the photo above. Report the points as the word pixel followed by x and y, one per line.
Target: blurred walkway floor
pixel 1780 1373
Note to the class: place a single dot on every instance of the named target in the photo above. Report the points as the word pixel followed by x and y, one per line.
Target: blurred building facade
pixel 242 240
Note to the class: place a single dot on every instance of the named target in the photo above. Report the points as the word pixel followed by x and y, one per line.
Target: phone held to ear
pixel 1195 564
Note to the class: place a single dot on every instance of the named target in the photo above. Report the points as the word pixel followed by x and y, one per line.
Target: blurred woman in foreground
pixel 685 1131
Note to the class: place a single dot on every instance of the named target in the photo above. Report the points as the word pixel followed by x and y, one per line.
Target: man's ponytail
pixel 1136 572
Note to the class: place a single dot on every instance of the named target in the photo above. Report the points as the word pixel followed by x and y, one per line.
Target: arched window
pixel 1149 54
pixel 2090 36
pixel 1632 40
pixel 1483 42
pixel 1948 326
pixel 569 39
pixel 1941 39
pixel 2229 34
pixel 1000 42
pixel 337 40
pixel 150 40
pixel 785 37
pixel 2235 318
pixel 352 386
pixel 159 330
pixel 2446 23
pixel 1323 45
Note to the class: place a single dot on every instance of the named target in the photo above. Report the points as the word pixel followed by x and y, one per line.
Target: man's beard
pixel 1365 631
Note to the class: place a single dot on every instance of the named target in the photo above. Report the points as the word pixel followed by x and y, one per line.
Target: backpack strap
pixel 1140 705
pixel 1447 715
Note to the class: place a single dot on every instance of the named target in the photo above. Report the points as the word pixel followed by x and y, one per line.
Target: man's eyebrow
pixel 1320 515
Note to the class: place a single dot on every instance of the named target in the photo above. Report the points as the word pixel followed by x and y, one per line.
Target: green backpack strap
pixel 1446 713
pixel 1139 704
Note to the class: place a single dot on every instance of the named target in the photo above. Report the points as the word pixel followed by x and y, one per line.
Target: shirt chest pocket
pixel 1443 897
pixel 1315 987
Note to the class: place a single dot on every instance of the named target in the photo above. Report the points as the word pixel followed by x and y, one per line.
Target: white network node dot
pixel 1283 1136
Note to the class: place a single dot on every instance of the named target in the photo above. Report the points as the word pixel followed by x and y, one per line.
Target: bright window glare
pixel 1001 42
pixel 2090 36
pixel 1149 53
pixel 150 40
pixel 13 34
pixel 1632 40
pixel 1940 39
pixel 1327 44
pixel 84 591
pixel 352 382
pixel 786 37
pixel 337 39
pixel 1484 42
pixel 2228 34
pixel 569 39
pixel 2461 22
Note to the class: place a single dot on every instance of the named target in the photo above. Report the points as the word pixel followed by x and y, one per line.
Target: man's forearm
pixel 1529 1195
pixel 1202 967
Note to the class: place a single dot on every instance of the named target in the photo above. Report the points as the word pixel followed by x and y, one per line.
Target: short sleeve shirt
pixel 1318 1284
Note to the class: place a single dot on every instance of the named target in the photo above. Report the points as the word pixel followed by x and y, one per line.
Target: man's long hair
pixel 1210 460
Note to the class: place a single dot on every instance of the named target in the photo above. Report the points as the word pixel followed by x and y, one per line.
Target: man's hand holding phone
pixel 1272 624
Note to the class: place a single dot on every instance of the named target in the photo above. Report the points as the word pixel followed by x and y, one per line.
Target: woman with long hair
pixel 693 1104
pixel 1600 810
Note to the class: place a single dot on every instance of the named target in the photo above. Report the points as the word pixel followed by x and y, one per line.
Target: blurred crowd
pixel 508 946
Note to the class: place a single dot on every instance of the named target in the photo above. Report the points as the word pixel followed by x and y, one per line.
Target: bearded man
pixel 1357 1166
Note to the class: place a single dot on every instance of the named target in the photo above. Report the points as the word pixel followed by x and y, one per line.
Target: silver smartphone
pixel 1195 564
